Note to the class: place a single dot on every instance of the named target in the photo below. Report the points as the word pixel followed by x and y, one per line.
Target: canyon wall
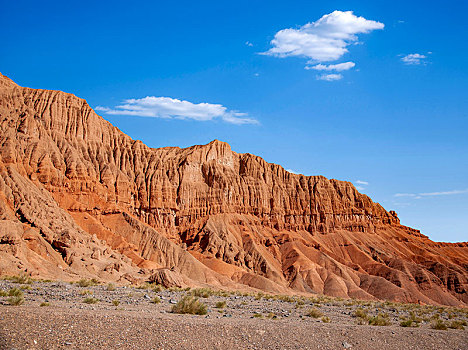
pixel 80 198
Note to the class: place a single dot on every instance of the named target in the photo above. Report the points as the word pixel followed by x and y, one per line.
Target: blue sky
pixel 263 77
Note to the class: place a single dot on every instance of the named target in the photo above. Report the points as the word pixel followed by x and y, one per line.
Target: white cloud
pixel 329 77
pixel 430 194
pixel 292 171
pixel 324 40
pixel 166 107
pixel 360 188
pixel 248 43
pixel 333 67
pixel 360 182
pixel 414 59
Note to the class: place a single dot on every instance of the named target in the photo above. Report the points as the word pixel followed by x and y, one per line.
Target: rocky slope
pixel 80 198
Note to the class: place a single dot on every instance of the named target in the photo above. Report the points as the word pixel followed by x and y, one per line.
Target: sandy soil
pixel 138 323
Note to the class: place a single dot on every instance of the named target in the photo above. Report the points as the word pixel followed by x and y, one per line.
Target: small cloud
pixel 324 40
pixel 360 188
pixel 414 59
pixel 401 21
pixel 248 43
pixel 329 77
pixel 430 194
pixel 332 67
pixel 256 74
pixel 171 108
pixel 360 182
pixel 292 171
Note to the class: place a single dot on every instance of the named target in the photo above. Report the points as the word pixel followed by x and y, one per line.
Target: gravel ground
pixel 138 323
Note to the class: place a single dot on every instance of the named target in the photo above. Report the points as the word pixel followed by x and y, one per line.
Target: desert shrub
pixel 85 292
pixel 381 319
pixel 455 324
pixel 156 300
pixel 272 315
pixel 439 325
pixel 158 288
pixel 259 296
pixel 25 287
pixel 22 279
pixel 408 323
pixel 220 305
pixel 3 293
pixel 90 300
pixel 110 287
pixel 115 302
pixel 202 292
pixel 189 305
pixel 87 283
pixel 16 300
pixel 315 313
pixel 360 313
pixel 257 315
pixel 326 319
pixel 15 292
pixel 44 303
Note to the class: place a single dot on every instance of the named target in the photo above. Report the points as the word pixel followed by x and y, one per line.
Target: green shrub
pixel 379 320
pixel 22 279
pixel 156 300
pixel 3 293
pixel 220 305
pixel 202 292
pixel 326 319
pixel 16 300
pixel 189 305
pixel 15 292
pixel 87 283
pixel 115 302
pixel 272 315
pixel 455 324
pixel 315 313
pixel 90 300
pixel 439 325
pixel 110 287
pixel 257 315
pixel 44 303
pixel 360 313
pixel 158 288
pixel 85 292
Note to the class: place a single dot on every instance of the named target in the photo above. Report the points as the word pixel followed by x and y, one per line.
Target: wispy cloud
pixel 324 40
pixel 248 43
pixel 414 59
pixel 430 194
pixel 329 77
pixel 333 67
pixel 360 182
pixel 292 171
pixel 171 108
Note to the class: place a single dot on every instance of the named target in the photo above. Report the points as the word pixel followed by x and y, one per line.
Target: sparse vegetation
pixel 220 305
pixel 90 300
pixel 326 319
pixel 315 313
pixel 202 292
pixel 3 293
pixel 21 279
pixel 360 313
pixel 382 319
pixel 456 324
pixel 257 315
pixel 110 287
pixel 156 300
pixel 15 292
pixel 87 283
pixel 189 305
pixel 272 315
pixel 158 288
pixel 16 300
pixel 85 292
pixel 115 302
pixel 439 325
pixel 44 303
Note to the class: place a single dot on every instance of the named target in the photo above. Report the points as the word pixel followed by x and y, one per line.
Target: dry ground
pixel 246 322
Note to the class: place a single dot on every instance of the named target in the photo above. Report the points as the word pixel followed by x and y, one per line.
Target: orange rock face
pixel 80 198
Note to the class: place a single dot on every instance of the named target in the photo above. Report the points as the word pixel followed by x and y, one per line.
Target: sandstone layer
pixel 79 198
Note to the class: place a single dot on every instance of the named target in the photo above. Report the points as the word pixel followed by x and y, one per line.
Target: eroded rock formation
pixel 80 198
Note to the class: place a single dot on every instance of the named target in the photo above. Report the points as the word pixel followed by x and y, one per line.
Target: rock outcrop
pixel 80 198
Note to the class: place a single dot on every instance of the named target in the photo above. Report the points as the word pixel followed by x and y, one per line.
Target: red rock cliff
pixel 79 197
